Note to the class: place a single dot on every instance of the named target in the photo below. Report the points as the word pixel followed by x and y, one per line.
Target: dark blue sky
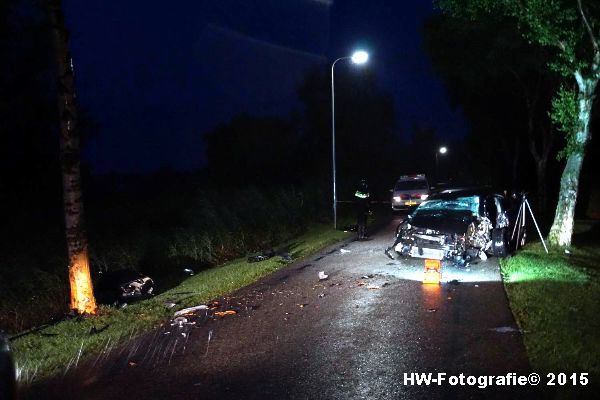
pixel 155 76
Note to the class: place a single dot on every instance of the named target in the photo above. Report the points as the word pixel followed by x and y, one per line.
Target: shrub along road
pixel 354 335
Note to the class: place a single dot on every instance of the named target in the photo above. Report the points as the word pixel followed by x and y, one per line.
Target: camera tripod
pixel 519 227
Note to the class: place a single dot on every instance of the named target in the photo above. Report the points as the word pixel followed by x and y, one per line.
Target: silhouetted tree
pixel 570 30
pixel 500 82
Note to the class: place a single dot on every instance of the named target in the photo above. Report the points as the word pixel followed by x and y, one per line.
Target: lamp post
pixel 359 57
pixel 441 150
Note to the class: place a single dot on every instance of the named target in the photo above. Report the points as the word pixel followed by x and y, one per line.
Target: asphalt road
pixel 352 336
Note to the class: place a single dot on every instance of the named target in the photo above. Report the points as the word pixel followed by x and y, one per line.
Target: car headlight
pixel 424 196
pixel 396 198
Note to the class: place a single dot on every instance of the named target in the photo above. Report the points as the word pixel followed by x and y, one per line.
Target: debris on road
pixel 372 287
pixel 208 342
pixel 181 321
pixel 190 310
pixel 344 251
pixel 224 313
pixel 322 276
pixel 387 253
pixel 431 310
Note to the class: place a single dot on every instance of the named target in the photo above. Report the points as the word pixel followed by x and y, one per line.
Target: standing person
pixel 361 199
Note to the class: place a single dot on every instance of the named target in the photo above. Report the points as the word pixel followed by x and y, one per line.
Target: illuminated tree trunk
pixel 82 294
pixel 564 219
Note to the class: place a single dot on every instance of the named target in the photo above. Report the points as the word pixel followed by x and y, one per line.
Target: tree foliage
pixel 564 117
pixel 550 23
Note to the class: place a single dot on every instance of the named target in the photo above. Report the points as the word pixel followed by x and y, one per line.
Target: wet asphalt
pixel 352 336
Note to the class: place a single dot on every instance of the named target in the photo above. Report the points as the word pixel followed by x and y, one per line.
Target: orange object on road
pixel 224 313
pixel 433 271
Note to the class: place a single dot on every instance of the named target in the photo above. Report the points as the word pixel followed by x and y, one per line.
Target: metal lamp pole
pixel 359 57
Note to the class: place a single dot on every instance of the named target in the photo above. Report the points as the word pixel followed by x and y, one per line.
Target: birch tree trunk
pixel 82 295
pixel 564 218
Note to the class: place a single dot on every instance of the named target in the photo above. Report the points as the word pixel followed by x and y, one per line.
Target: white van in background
pixel 409 192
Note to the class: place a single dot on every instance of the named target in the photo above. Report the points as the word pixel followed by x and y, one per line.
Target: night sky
pixel 155 77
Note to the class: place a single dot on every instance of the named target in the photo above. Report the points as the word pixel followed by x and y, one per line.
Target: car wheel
pixel 499 243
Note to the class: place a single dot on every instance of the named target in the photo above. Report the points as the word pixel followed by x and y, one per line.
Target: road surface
pixel 352 336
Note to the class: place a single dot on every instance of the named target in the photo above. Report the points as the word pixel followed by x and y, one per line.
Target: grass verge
pixel 555 298
pixel 54 349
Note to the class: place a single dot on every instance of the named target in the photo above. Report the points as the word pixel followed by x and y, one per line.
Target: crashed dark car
pixel 457 224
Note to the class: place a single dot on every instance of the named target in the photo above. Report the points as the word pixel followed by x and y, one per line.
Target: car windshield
pixel 412 185
pixel 469 204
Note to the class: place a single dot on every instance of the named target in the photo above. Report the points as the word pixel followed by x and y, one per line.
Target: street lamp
pixel 441 150
pixel 358 57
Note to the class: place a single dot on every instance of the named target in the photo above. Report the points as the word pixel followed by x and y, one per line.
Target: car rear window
pixel 411 185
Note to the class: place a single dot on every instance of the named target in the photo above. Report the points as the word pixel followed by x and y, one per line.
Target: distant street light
pixel 441 150
pixel 359 57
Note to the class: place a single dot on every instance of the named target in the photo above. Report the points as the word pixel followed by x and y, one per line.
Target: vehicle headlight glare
pixel 424 196
pixel 396 199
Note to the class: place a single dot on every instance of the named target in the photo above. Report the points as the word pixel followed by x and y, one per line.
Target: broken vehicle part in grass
pixel 265 255
pixel 123 286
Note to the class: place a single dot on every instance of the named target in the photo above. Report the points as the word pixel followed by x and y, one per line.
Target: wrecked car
pixel 122 286
pixel 456 224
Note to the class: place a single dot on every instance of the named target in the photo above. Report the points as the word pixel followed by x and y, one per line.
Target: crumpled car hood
pixel 446 222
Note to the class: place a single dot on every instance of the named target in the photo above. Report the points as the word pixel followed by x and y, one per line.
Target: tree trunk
pixel 564 218
pixel 82 295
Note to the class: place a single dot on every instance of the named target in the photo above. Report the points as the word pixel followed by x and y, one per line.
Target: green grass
pixel 555 298
pixel 48 351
